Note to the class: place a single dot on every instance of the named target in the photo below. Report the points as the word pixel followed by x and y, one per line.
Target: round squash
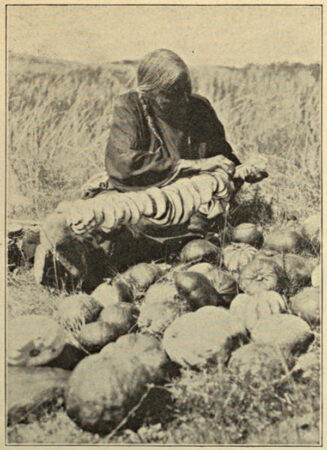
pixel 260 361
pixel 154 318
pixel 142 275
pixel 288 332
pixel 224 283
pixel 160 292
pixel 121 317
pixel 203 337
pixel 238 255
pixel 200 250
pixel 284 241
pixel 248 309
pixel 248 233
pixel 311 229
pixel 297 268
pixel 196 290
pixel 204 268
pixel 34 340
pixel 261 274
pixel 316 276
pixel 77 310
pixel 93 336
pixel 147 348
pixel 113 292
pixel 103 389
pixel 306 304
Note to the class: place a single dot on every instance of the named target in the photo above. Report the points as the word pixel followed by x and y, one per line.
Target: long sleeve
pixel 134 158
pixel 220 145
pixel 213 130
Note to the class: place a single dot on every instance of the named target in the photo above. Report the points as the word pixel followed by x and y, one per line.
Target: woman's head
pixel 165 78
pixel 163 71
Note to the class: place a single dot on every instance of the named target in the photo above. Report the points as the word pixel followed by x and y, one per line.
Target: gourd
pixel 284 241
pixel 142 275
pixel 94 336
pixel 120 317
pixel 104 387
pixel 113 292
pixel 248 233
pixel 297 269
pixel 261 274
pixel 306 304
pixel 262 361
pixel 238 255
pixel 204 337
pixel 223 282
pixel 77 310
pixel 200 250
pixel 196 290
pixel 160 292
pixel 316 276
pixel 248 309
pixel 311 228
pixel 291 334
pixel 34 340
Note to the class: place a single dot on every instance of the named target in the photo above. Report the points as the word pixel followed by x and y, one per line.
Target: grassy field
pixel 59 119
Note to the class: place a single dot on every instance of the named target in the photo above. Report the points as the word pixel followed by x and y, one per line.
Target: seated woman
pixel 162 131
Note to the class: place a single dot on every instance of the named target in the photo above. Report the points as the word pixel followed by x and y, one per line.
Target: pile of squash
pixel 227 305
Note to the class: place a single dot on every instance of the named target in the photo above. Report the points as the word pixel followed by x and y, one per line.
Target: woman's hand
pixel 250 172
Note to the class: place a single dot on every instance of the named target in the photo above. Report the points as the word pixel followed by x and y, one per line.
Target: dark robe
pixel 136 159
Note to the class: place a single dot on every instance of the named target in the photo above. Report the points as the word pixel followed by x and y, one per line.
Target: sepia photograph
pixel 163 223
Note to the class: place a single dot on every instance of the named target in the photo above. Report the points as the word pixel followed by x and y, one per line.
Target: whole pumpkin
pixel 311 228
pixel 199 338
pixel 248 233
pixel 261 274
pixel 316 276
pixel 297 268
pixel 204 268
pixel 93 336
pixel 77 310
pixel 200 250
pixel 34 340
pixel 142 275
pixel 248 309
pixel 264 361
pixel 289 333
pixel 147 348
pixel 121 317
pixel 160 292
pixel 238 255
pixel 154 318
pixel 103 389
pixel 224 283
pixel 113 292
pixel 306 304
pixel 284 241
pixel 196 289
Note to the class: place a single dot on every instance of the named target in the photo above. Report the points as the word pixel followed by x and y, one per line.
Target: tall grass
pixel 59 121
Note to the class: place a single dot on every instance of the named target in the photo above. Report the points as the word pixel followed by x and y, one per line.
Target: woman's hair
pixel 163 71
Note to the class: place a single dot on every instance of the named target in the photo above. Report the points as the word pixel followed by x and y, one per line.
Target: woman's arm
pixel 132 162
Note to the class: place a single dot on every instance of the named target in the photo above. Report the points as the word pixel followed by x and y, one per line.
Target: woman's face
pixel 174 104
